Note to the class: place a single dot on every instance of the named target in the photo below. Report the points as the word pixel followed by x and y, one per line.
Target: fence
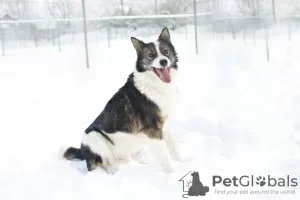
pixel 63 27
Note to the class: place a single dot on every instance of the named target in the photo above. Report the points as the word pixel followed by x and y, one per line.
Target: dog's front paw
pixel 142 160
pixel 112 170
pixel 178 156
pixel 182 158
pixel 141 156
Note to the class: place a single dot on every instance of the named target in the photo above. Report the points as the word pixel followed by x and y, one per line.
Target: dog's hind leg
pixel 111 167
pixel 97 153
pixel 93 161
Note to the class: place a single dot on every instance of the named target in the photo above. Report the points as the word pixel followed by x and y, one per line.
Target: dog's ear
pixel 138 44
pixel 165 35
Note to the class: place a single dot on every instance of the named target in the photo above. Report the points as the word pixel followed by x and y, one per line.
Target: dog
pixel 137 113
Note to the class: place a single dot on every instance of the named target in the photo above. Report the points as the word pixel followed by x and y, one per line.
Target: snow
pixel 239 116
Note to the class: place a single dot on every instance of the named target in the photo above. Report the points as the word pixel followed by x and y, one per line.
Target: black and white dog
pixel 136 115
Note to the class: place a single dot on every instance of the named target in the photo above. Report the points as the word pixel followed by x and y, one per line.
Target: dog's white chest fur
pixel 165 95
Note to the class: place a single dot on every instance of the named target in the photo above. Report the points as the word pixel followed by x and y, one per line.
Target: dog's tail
pixel 71 153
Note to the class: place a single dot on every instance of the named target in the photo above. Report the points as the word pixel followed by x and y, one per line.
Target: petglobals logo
pixel 192 185
pixel 246 181
pixel 197 185
pixel 254 185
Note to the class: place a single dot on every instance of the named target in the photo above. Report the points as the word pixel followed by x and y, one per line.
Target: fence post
pixel 290 31
pixel 244 35
pixel 267 43
pixel 195 24
pixel 85 35
pixel 254 37
pixel 58 36
pixel 2 40
pixel 108 36
pixel 186 30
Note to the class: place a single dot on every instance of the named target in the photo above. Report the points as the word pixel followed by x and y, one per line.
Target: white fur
pixel 160 151
pixel 165 95
pixel 125 145
pixel 160 56
pixel 172 146
pixel 140 156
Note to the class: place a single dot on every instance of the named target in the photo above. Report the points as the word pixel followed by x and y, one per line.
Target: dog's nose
pixel 163 62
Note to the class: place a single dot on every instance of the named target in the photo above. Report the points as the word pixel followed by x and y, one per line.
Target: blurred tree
pixel 174 6
pixel 60 9
pixel 17 8
pixel 255 7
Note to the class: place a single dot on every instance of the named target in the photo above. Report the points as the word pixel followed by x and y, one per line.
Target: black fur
pixel 73 153
pixel 128 111
pixel 84 153
pixel 92 160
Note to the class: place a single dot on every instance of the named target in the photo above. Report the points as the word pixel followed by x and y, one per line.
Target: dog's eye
pixel 166 51
pixel 151 55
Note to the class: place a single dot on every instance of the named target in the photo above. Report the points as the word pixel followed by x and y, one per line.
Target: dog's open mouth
pixel 162 73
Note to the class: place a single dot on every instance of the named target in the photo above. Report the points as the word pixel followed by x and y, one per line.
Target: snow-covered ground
pixel 239 116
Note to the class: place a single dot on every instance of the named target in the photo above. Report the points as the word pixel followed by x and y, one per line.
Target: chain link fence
pixel 60 23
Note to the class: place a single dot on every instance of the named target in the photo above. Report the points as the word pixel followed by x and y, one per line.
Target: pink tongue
pixel 164 74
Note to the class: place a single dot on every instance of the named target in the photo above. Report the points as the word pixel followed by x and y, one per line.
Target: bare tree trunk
pixel 274 10
pixel 155 7
pixel 122 7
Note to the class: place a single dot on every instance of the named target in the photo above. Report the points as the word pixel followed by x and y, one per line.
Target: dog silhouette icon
pixel 197 188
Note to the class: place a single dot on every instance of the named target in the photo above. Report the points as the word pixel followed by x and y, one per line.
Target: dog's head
pixel 157 57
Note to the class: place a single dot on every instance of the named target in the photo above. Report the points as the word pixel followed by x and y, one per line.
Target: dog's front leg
pixel 140 156
pixel 172 146
pixel 160 151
